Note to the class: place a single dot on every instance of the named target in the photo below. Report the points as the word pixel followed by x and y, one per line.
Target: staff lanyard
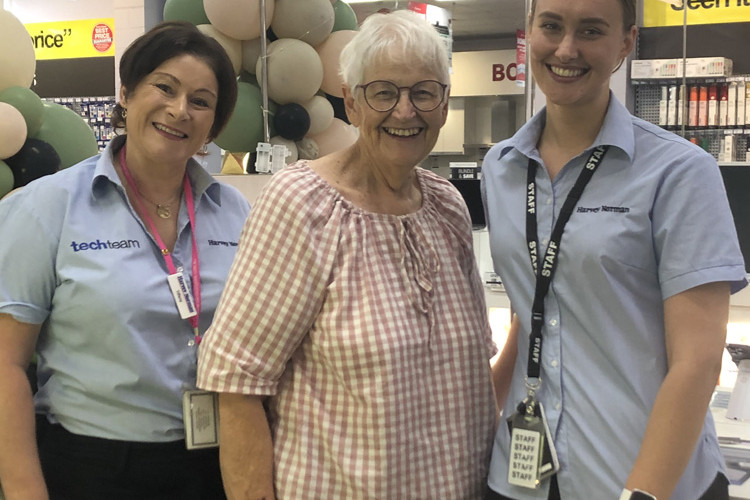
pixel 544 273
pixel 164 250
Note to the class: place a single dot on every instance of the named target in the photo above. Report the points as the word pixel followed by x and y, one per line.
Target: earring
pixel 124 112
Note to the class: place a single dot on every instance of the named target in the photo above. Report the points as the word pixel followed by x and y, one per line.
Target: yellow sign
pixel 661 13
pixel 73 39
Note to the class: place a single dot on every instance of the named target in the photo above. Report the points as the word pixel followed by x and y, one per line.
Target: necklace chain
pixel 164 209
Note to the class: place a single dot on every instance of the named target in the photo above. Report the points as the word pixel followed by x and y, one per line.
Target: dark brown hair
pixel 172 39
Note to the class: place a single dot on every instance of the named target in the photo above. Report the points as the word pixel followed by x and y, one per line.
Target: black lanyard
pixel 544 273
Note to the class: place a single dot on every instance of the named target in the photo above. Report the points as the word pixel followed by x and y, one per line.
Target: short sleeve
pixel 694 234
pixel 275 288
pixel 28 249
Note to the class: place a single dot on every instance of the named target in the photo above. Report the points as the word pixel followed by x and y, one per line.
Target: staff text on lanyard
pixel 549 262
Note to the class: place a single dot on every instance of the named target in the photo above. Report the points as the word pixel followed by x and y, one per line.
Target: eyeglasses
pixel 383 96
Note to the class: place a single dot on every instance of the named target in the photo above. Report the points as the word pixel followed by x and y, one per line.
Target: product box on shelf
pixel 644 69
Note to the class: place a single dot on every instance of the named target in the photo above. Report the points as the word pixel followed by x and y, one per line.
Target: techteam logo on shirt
pixel 105 245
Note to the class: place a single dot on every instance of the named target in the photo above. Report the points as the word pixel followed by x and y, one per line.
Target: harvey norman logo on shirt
pixel 104 245
pixel 603 208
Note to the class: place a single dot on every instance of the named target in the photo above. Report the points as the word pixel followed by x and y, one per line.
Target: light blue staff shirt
pixel 654 221
pixel 113 353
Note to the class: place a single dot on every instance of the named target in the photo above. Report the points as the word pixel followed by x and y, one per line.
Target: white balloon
pixel 310 20
pixel 17 59
pixel 232 46
pixel 294 71
pixel 307 149
pixel 321 114
pixel 12 130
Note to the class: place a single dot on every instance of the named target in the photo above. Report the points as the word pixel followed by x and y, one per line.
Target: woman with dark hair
pixel 112 270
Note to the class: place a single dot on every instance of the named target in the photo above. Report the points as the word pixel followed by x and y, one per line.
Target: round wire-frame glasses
pixel 382 95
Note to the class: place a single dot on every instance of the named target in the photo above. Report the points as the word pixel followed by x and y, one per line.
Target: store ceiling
pixel 471 18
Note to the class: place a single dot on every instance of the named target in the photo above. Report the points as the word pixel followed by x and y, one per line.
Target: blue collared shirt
pixel 113 353
pixel 653 221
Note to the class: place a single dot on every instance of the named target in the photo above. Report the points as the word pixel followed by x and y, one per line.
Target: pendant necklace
pixel 164 209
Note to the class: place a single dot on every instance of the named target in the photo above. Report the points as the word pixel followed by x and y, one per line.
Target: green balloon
pixel 191 11
pixel 6 179
pixel 345 18
pixel 247 77
pixel 68 133
pixel 28 103
pixel 245 128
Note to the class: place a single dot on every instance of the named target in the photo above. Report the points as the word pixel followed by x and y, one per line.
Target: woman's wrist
pixel 636 494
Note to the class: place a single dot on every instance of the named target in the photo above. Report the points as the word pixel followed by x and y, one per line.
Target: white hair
pixel 401 36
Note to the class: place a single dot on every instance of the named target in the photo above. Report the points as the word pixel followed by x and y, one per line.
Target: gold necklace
pixel 163 210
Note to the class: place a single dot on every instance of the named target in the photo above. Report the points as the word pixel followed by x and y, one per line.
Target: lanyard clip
pixel 532 386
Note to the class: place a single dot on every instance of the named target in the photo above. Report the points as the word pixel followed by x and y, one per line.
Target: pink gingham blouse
pixel 370 333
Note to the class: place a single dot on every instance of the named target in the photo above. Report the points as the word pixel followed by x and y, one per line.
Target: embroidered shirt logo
pixel 603 208
pixel 215 243
pixel 105 245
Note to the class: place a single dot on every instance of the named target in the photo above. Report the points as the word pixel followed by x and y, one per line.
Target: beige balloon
pixel 12 130
pixel 250 54
pixel 339 135
pixel 329 52
pixel 294 71
pixel 310 20
pixel 321 114
pixel 232 46
pixel 17 59
pixel 238 19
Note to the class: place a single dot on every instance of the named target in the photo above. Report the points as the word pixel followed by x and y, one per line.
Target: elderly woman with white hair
pixel 351 345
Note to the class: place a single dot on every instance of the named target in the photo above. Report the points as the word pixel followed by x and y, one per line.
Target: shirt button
pixel 553 322
pixel 554 363
pixel 548 201
pixel 545 241
pixel 558 406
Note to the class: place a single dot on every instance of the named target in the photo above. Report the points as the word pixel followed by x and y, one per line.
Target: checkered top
pixel 370 333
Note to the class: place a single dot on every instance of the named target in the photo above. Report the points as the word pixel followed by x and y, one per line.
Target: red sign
pixel 521 55
pixel 102 37
pixel 418 7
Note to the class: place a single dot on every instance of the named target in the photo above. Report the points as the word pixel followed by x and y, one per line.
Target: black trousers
pixel 87 468
pixel 719 490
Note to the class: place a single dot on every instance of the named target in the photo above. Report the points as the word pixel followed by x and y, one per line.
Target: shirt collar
pixel 105 174
pixel 616 131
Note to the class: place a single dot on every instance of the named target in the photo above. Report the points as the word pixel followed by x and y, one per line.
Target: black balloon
pixel 271 36
pixel 35 159
pixel 291 121
pixel 339 110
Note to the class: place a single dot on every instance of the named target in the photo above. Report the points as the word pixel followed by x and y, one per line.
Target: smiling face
pixel 403 136
pixel 171 111
pixel 574 46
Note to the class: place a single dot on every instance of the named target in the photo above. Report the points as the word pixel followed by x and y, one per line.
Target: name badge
pixel 200 412
pixel 532 452
pixel 183 299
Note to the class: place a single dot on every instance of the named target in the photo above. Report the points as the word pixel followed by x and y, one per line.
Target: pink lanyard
pixel 164 250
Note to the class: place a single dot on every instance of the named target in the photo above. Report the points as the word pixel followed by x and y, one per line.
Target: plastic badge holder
pixel 278 157
pixel 263 159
